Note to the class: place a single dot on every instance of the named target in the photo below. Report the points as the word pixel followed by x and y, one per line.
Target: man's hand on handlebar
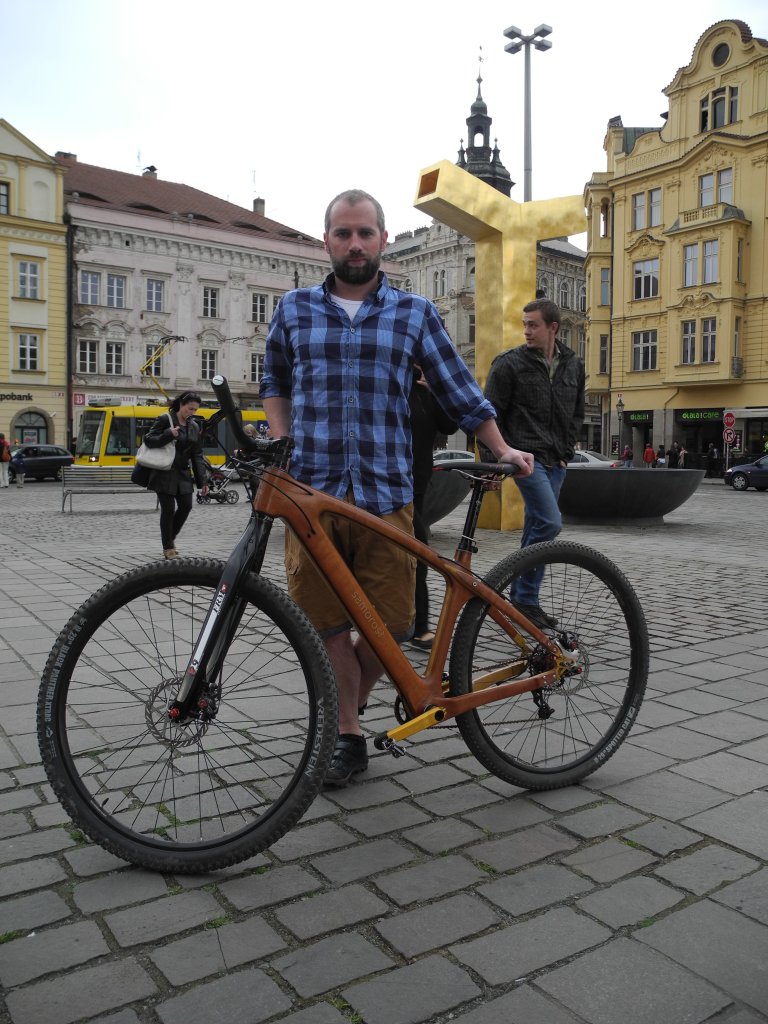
pixel 523 460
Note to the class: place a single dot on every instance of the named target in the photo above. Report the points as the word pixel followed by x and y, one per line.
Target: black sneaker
pixel 350 757
pixel 536 614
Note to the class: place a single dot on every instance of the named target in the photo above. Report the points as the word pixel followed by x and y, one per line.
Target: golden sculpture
pixel 505 234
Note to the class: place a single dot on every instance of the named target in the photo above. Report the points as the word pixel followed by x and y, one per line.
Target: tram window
pixel 119 440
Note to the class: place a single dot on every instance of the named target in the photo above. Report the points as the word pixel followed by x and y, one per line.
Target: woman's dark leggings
pixel 172 518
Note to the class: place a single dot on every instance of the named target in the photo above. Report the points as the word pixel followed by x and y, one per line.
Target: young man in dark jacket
pixel 538 393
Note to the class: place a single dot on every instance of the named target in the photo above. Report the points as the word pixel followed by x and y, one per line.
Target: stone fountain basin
pixel 590 493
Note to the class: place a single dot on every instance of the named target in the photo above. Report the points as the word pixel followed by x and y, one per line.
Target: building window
pixel 154 296
pixel 89 287
pixel 740 260
pixel 114 363
pixel 582 299
pixel 582 344
pixel 710 275
pixel 719 108
pixel 654 208
pixel 564 336
pixel 442 282
pixel 29 280
pixel 644 350
pixel 435 284
pixel 565 295
pixel 689 341
pixel 257 367
pixel 706 190
pixel 646 279
pixel 638 211
pixel 603 365
pixel 275 302
pixel 87 353
pixel 116 291
pixel 258 307
pixel 155 368
pixel 29 351
pixel 737 337
pixel 471 329
pixel 605 286
pixel 708 339
pixel 210 302
pixel 407 285
pixel 208 363
pixel 725 185
pixel 690 265
pixel 5 197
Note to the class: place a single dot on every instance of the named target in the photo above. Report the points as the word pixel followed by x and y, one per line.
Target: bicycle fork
pixel 199 688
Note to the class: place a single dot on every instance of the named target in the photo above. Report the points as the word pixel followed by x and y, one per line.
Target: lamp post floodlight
pixel 517 41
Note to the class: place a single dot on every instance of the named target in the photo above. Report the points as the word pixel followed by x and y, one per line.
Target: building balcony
pixel 703 215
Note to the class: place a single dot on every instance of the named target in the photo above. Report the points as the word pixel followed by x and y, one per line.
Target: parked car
pixel 451 455
pixel 41 460
pixel 594 459
pixel 751 474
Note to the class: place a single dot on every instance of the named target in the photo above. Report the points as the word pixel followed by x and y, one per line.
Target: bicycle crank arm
pixel 389 740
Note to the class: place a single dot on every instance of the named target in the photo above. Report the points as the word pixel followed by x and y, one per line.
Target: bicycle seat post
pixel 466 546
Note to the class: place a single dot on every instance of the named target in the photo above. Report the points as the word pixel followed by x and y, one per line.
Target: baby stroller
pixel 218 479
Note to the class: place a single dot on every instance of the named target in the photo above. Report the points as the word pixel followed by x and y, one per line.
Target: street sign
pixel 729 435
pixel 729 419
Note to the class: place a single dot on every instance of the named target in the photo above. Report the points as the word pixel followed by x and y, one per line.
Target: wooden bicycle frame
pixel 301 507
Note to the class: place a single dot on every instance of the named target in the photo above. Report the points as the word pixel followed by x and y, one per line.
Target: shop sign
pixel 639 416
pixel 699 415
pixel 15 396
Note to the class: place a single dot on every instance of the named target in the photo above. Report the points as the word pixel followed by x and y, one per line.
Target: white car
pixel 451 455
pixel 594 459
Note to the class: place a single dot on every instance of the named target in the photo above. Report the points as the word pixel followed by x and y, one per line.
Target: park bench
pixel 96 480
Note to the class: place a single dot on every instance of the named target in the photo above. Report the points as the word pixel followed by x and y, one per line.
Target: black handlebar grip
pixel 230 410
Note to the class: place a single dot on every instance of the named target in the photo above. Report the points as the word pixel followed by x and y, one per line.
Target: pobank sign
pixel 13 396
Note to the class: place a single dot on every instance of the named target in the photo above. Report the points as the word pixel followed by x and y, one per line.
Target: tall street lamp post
pixel 620 415
pixel 515 46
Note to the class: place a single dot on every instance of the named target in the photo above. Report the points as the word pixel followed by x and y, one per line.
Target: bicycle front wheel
pixel 201 795
pixel 564 732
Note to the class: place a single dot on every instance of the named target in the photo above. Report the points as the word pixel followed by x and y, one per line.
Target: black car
pixel 751 474
pixel 40 460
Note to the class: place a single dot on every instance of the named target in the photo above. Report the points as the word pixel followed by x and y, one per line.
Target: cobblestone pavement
pixel 429 891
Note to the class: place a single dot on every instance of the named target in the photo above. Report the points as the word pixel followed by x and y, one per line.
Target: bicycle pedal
pixel 383 742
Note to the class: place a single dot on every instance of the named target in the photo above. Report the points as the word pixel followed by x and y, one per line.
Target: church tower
pixel 478 158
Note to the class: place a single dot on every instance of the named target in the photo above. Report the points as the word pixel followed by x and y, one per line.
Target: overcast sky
pixel 295 100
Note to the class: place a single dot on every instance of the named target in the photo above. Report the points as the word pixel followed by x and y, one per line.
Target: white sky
pixel 295 100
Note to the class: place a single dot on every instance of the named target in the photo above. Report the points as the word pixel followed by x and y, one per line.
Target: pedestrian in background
pixel 19 468
pixel 627 456
pixel 5 458
pixel 674 455
pixel 649 456
pixel 661 455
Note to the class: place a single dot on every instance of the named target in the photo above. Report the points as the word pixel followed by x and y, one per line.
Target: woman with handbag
pixel 181 436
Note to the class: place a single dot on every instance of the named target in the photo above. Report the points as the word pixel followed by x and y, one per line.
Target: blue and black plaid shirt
pixel 349 382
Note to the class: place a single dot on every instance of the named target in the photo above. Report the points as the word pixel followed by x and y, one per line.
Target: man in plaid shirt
pixel 338 373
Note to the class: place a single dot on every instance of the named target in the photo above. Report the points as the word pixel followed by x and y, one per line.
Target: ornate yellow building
pixel 33 305
pixel 677 278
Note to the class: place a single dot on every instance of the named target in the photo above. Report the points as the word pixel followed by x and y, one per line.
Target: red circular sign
pixel 729 419
pixel 729 435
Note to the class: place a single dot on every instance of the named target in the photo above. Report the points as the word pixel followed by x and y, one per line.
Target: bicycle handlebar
pixel 478 468
pixel 273 448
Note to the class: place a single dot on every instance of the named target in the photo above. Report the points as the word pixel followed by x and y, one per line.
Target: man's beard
pixel 356 275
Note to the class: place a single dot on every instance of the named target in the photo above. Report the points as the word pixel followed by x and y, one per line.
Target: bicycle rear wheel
pixel 188 797
pixel 569 729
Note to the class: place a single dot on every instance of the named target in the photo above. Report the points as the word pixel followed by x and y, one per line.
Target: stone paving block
pixel 13 825
pixel 320 1013
pixel 253 892
pixel 739 823
pixel 663 837
pixel 733 726
pixel 456 800
pixel 608 860
pixel 566 799
pixel 624 982
pixel 48 815
pixel 413 994
pixel 36 874
pixel 630 901
pixel 328 911
pixel 756 750
pixel 704 870
pixel 718 944
pixel 437 924
pixel 521 848
pixel 245 997
pixel 508 815
pixel 427 881
pixel 36 844
pixel 57 949
pixel 677 742
pixel 121 1017
pixel 329 963
pixel 512 953
pixel 363 861
pixel 92 860
pixel 217 949
pixel 304 841
pixel 244 867
pixel 433 751
pixel 700 702
pixel 369 794
pixel 667 795
pixel 600 821
pixel 443 835
pixel 749 896
pixel 29 912
pixel 430 779
pixel 726 771
pixel 738 689
pixel 118 890
pixel 533 888
pixel 149 922
pixel 381 820
pixel 77 995
pixel 630 762
pixel 760 708
pixel 655 713
pixel 16 799
pixel 523 1005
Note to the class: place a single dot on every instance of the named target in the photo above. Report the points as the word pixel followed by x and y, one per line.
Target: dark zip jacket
pixel 534 413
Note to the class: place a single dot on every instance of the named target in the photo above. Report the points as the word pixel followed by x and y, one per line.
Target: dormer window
pixel 719 108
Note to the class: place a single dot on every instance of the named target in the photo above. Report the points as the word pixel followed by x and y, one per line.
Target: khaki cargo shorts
pixel 385 572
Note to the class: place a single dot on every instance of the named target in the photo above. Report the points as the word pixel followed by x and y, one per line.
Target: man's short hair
pixel 550 311
pixel 352 196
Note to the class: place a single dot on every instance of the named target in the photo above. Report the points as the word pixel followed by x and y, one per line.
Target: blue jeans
pixel 542 522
